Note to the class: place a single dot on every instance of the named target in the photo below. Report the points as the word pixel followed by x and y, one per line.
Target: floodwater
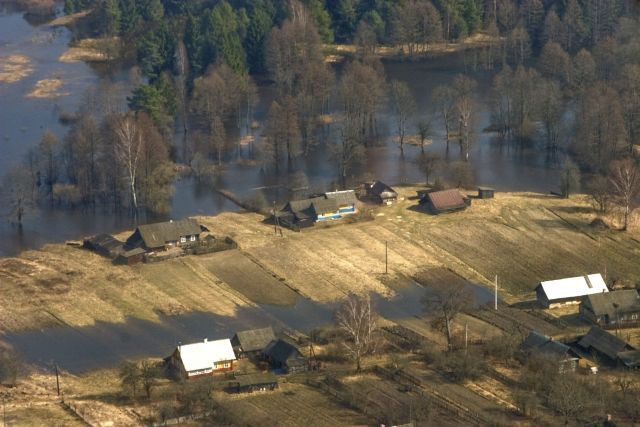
pixel 23 119
pixel 106 345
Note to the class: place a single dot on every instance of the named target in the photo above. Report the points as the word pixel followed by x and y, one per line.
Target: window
pixel 193 238
pixel 183 240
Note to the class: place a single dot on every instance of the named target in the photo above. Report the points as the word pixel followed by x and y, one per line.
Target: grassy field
pixel 521 237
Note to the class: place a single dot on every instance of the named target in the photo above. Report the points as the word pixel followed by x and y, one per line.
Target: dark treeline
pixel 566 73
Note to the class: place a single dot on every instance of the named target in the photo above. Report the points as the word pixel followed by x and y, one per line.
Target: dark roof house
pixel 344 199
pixel 252 341
pixel 283 355
pixel 443 201
pixel 162 234
pixel 381 193
pixel 609 309
pixel 603 344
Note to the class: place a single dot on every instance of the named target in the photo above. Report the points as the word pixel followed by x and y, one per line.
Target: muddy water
pixel 108 344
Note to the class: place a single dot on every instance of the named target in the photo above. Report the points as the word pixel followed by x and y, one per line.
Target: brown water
pixel 22 121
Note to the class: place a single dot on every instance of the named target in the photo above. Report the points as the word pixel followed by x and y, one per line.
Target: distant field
pixel 521 237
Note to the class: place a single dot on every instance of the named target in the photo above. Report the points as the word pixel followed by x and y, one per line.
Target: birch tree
pixel 358 320
pixel 128 146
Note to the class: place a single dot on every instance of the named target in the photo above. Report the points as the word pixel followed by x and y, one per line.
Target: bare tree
pixel 446 301
pixel 130 378
pixel 347 150
pixel 625 182
pixel 599 188
pixel 148 376
pixel 358 320
pixel 404 106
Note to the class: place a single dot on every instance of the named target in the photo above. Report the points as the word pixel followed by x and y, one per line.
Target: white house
pixel 554 293
pixel 203 358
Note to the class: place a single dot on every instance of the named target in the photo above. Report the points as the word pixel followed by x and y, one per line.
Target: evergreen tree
pixel 222 26
pixel 322 19
pixel 259 27
pixel 69 7
pixel 153 11
pixel 130 16
pixel 111 14
pixel 195 43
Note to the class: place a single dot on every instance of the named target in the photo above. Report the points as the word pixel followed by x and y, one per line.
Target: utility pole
pixel 275 220
pixel 386 258
pixel 466 338
pixel 495 297
pixel 57 379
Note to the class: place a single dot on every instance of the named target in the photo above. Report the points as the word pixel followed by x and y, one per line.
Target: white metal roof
pixel 203 355
pixel 574 287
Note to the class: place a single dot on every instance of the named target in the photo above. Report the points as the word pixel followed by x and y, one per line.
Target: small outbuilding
pixel 603 345
pixel 251 342
pixel 130 257
pixel 379 193
pixel 485 193
pixel 555 293
pixel 612 309
pixel 284 356
pixel 438 202
pixel 539 345
pixel 203 358
pixel 250 383
pixel 105 245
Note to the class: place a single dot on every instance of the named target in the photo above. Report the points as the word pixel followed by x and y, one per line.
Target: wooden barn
pixel 164 235
pixel 250 383
pixel 604 346
pixel 379 193
pixel 555 293
pixel 202 359
pixel 105 245
pixel 612 309
pixel 438 202
pixel 130 257
pixel 346 201
pixel 251 342
pixel 284 356
pixel 539 345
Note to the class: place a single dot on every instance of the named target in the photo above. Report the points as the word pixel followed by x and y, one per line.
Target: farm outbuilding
pixel 252 342
pixel 163 235
pixel 485 193
pixel 555 293
pixel 284 356
pixel 298 214
pixel 612 309
pixel 203 358
pixel 603 345
pixel 130 257
pixel 539 345
pixel 438 202
pixel 105 245
pixel 250 383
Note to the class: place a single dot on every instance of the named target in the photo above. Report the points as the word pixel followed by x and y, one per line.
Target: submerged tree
pixel 17 194
pixel 403 105
pixel 357 319
pixel 569 178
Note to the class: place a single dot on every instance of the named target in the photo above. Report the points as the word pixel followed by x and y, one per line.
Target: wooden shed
pixel 250 383
pixel 485 193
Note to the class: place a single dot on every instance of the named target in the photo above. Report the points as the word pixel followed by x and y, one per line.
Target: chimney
pixel 205 340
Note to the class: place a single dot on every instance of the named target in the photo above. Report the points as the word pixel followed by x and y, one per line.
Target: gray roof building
pixel 600 342
pixel 253 340
pixel 154 236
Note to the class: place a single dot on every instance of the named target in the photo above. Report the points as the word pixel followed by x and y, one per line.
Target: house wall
pixel 328 216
